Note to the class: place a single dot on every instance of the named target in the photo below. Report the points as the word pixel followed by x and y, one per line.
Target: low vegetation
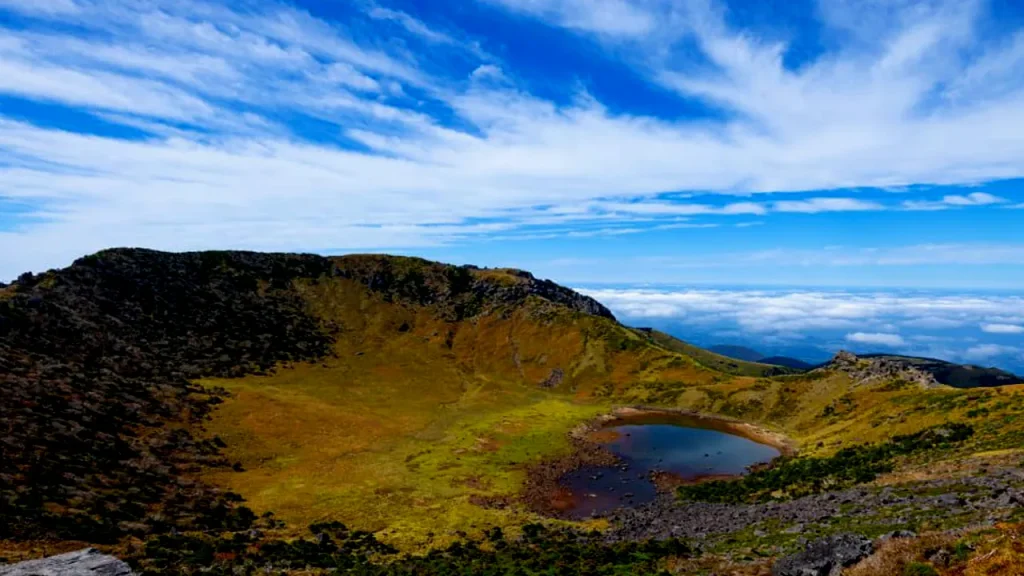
pixel 333 548
pixel 146 394
pixel 801 476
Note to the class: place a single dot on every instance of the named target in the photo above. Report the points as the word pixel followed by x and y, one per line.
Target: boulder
pixel 85 562
pixel 825 557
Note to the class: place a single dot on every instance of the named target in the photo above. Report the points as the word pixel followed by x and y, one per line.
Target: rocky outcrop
pixel 865 371
pixel 825 557
pixel 457 291
pixel 528 285
pixel 993 497
pixel 86 562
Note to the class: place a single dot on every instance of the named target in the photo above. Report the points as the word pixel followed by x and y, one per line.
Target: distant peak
pixel 880 369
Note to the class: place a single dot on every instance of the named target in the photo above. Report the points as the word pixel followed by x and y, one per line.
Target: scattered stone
pixel 86 562
pixel 554 379
pixel 897 534
pixel 825 557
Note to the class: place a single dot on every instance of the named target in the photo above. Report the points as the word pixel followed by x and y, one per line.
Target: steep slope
pixel 716 361
pixel 97 361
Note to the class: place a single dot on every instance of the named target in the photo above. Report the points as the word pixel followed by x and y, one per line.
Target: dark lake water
pixel 688 452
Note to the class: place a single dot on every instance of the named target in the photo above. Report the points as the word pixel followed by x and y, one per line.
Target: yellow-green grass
pixel 399 430
pixel 417 420
pixel 317 445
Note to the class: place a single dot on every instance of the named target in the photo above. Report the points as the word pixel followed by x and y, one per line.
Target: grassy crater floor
pixel 406 460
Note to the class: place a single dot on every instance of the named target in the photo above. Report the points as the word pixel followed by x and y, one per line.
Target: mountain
pixel 717 361
pixel 952 374
pixel 99 362
pixel 751 355
pixel 223 412
pixel 737 352
pixel 787 362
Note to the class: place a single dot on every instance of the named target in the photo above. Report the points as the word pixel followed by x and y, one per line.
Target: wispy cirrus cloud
pixel 273 128
pixel 617 18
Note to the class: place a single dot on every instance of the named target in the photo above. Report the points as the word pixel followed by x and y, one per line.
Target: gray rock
pixel 897 534
pixel 826 557
pixel 86 562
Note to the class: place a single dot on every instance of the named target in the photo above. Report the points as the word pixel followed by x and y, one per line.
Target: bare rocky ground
pixel 86 562
pixel 776 528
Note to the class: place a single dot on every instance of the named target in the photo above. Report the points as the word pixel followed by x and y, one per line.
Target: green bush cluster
pixel 802 476
pixel 335 548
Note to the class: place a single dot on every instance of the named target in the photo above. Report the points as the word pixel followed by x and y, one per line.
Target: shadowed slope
pixel 96 360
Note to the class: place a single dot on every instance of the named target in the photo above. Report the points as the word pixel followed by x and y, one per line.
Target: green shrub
pixel 796 477
pixel 919 569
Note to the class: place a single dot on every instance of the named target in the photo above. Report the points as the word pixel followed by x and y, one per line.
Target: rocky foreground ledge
pixel 85 562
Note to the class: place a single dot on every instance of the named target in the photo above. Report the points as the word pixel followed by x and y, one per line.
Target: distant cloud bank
pixel 960 327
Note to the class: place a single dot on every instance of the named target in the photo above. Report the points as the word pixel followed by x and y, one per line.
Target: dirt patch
pixel 487 445
pixel 491 502
pixel 603 436
pixel 544 493
pixel 667 482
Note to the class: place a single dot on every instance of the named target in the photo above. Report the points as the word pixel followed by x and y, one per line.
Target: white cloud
pixel 876 338
pixel 974 199
pixel 488 71
pixel 210 83
pixel 618 18
pixel 411 24
pixel 984 352
pixel 954 201
pixel 915 323
pixel 1002 329
pixel 817 205
pixel 769 311
pixel 975 254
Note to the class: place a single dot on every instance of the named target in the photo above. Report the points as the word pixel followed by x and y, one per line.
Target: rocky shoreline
pixel 998 496
pixel 682 416
pixel 544 492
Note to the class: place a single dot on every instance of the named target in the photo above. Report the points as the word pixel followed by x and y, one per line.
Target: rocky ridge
pixel 865 371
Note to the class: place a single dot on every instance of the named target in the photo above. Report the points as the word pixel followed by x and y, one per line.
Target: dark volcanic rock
pixel 825 557
pixel 95 360
pixel 87 562
pixel 994 496
pixel 554 379
pixel 867 370
pixel 457 291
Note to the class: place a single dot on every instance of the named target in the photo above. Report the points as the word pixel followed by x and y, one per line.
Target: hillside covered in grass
pixel 150 395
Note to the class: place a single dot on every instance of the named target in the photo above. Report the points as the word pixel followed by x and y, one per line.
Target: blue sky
pixel 810 143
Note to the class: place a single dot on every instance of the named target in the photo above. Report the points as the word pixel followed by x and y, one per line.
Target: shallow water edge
pixel 561 487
